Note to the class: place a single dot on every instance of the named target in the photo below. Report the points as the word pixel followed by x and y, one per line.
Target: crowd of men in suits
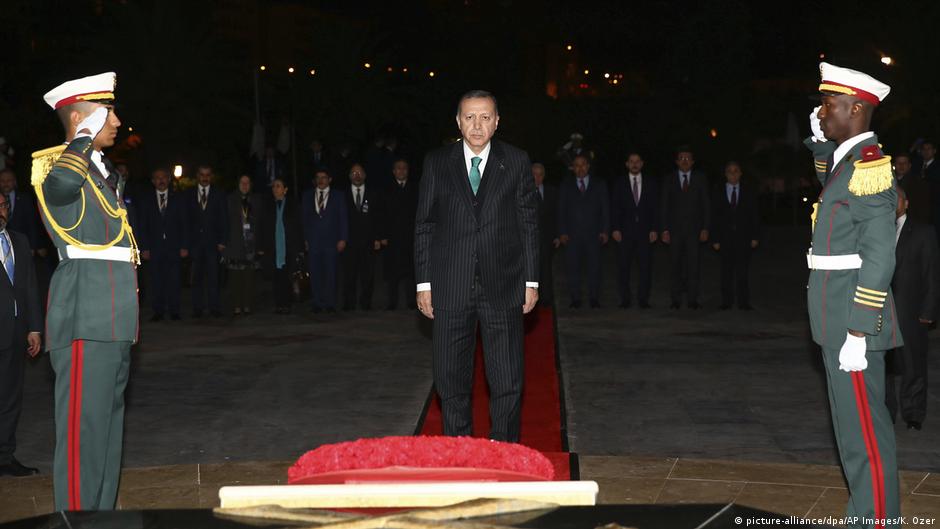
pixel 636 210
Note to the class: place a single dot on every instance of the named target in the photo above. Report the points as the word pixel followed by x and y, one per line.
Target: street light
pixel 569 47
pixel 431 73
pixel 313 72
pixel 290 70
pixel 177 171
pixel 263 67
pixel 367 65
pixel 587 72
pixel 606 76
pixel 887 61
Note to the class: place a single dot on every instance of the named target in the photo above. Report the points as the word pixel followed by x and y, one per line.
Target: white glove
pixel 818 135
pixel 852 354
pixel 95 121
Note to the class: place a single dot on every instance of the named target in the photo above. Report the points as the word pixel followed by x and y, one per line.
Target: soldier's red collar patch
pixel 870 153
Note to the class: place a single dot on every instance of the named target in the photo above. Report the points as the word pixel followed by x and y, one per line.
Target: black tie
pixel 359 198
pixel 162 202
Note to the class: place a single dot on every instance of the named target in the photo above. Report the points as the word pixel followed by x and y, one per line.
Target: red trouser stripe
pixel 75 427
pixel 871 445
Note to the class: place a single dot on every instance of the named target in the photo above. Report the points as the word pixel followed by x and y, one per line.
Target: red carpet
pixel 542 412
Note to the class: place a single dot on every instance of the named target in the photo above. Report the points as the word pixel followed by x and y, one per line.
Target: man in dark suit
pixel 476 249
pixel 548 232
pixel 915 187
pixel 401 203
pixel 929 171
pixel 326 230
pixel 735 234
pixel 163 243
pixel 364 205
pixel 686 215
pixel 916 286
pixel 207 219
pixel 583 222
pixel 634 224
pixel 267 169
pixel 20 325
pixel 23 215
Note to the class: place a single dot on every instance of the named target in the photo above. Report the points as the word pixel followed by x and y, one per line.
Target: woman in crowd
pixel 280 243
pixel 244 215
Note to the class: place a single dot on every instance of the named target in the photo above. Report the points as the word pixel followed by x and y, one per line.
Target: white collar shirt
pixel 847 145
pixel 638 180
pixel 484 156
pixel 325 194
pixel 900 226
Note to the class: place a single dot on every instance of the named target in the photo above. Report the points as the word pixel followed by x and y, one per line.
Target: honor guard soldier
pixel 851 308
pixel 92 317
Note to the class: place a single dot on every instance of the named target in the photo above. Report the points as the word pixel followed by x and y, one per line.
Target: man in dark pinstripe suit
pixel 476 245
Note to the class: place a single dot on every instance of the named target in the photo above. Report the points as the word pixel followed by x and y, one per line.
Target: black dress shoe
pixel 315 310
pixel 914 425
pixel 331 310
pixel 595 304
pixel 216 314
pixel 746 306
pixel 624 305
pixel 197 314
pixel 156 317
pixel 724 306
pixel 674 305
pixel 645 305
pixel 17 469
pixel 694 305
pixel 175 317
pixel 575 305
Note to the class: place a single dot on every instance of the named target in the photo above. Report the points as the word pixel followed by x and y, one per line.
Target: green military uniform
pixel 91 321
pixel 856 215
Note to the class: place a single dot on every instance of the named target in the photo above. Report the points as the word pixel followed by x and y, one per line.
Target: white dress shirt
pixel 326 198
pixel 638 178
pixel 900 226
pixel 468 156
pixel 729 187
pixel 847 145
pixel 361 189
pixel 688 177
pixel 3 260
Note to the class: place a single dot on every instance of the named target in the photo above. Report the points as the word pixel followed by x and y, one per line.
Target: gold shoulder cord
pixel 43 162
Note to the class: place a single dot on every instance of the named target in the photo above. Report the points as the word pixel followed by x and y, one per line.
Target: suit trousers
pixel 12 372
pixel 735 260
pixel 685 258
pixel 910 362
pixel 358 269
pixel 283 288
pixel 242 286
pixel 165 282
pixel 583 255
pixel 89 422
pixel 205 272
pixel 454 350
pixel 322 264
pixel 638 248
pixel 865 438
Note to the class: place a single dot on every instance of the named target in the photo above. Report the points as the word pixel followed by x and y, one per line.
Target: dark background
pixel 187 73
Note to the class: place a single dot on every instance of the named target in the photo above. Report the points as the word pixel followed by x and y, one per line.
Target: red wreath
pixel 423 458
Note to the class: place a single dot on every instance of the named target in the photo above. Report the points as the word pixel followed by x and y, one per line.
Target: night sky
pixel 187 72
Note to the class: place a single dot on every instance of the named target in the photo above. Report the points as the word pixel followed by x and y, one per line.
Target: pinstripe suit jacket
pixel 494 232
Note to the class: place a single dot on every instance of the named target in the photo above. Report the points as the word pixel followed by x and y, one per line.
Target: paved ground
pixel 709 384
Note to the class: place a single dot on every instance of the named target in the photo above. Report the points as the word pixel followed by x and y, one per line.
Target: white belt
pixel 850 261
pixel 114 253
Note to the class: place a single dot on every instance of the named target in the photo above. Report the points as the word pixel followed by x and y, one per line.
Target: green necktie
pixel 475 176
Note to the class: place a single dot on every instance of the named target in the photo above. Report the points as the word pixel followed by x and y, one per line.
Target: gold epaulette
pixel 43 161
pixel 871 178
